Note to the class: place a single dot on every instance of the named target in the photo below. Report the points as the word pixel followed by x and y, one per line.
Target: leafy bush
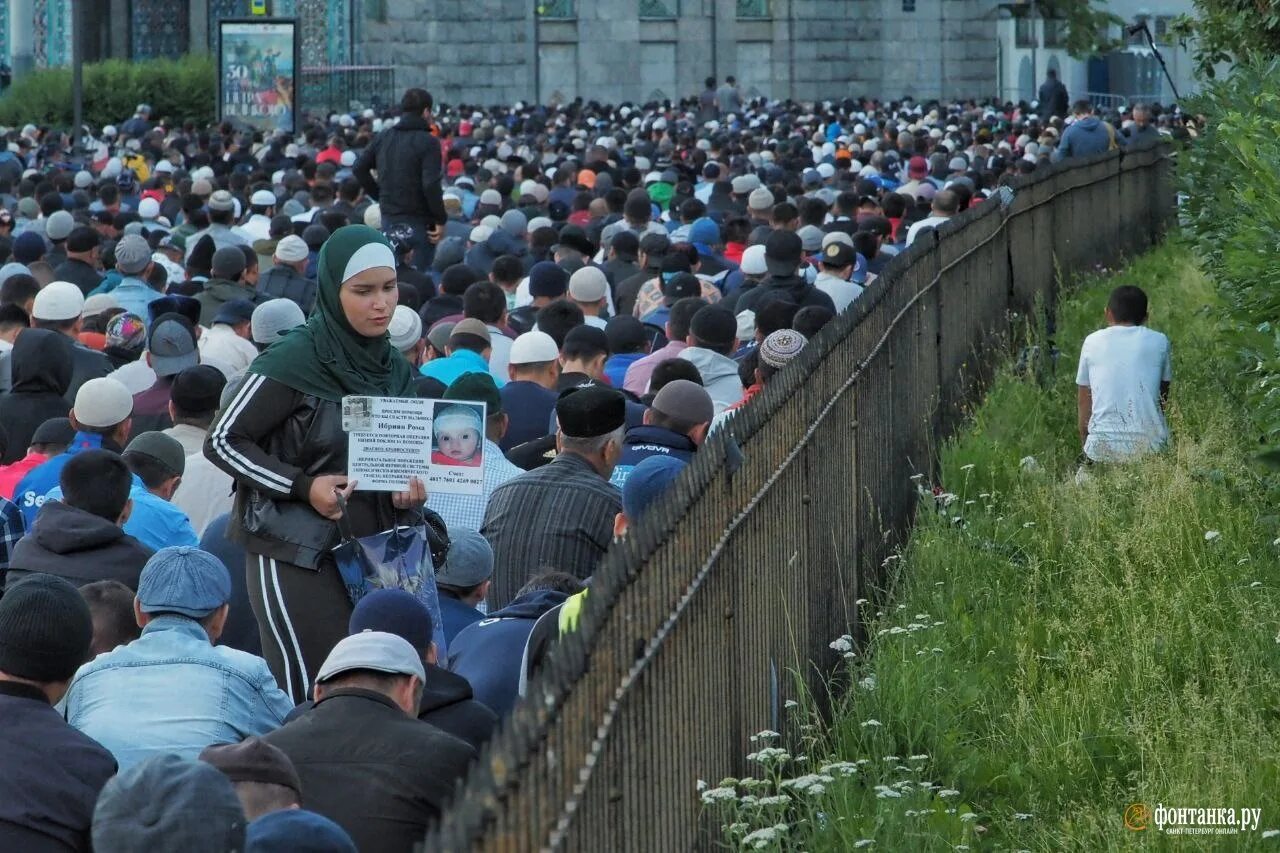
pixel 178 90
pixel 1232 211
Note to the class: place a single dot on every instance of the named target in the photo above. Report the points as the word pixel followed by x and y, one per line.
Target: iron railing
pixel 347 88
pixel 720 606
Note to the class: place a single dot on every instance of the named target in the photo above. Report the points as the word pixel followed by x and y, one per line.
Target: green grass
pixel 1085 646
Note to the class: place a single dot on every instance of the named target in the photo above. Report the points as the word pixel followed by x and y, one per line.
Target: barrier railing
pixel 347 88
pixel 720 606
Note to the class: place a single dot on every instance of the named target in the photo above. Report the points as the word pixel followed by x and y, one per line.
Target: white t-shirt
pixel 842 292
pixel 1123 367
pixel 927 222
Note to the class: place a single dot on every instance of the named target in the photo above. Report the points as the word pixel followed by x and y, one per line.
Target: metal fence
pixel 347 88
pixel 720 606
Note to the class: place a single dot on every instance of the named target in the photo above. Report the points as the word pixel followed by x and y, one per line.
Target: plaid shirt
pixel 11 530
pixel 468 510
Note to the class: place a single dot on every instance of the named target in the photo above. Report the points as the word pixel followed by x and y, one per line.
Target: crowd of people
pixel 183 311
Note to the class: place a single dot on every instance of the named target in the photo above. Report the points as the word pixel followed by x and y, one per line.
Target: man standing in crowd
pixel 407 188
pixel 1053 96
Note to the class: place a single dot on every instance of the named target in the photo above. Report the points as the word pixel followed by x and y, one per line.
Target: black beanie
pixel 45 629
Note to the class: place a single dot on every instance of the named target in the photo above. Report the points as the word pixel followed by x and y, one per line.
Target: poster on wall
pixel 257 73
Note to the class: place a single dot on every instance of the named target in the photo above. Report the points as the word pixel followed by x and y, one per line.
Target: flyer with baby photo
pixel 391 439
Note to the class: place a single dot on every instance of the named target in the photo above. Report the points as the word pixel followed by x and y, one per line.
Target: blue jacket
pixel 30 492
pixel 456 615
pixel 645 441
pixel 529 407
pixel 490 653
pixel 616 367
pixel 1087 136
pixel 171 690
pixel 463 361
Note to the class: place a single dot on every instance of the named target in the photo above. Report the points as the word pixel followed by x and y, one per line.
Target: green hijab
pixel 326 357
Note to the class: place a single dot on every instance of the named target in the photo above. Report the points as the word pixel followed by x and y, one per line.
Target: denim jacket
pixel 171 690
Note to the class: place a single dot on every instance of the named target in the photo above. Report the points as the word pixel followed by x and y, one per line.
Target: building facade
pixel 501 51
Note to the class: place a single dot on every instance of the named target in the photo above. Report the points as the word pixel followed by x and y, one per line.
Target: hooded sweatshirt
pixel 1085 136
pixel 42 367
pixel 791 287
pixel 488 653
pixel 719 375
pixel 79 547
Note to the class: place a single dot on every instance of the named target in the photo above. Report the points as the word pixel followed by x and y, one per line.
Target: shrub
pixel 178 90
pixel 1232 210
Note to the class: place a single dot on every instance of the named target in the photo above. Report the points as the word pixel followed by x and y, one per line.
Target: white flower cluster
pixel 718 795
pixel 770 755
pixel 765 836
pixel 843 768
pixel 843 643
pixel 765 734
pixel 868 682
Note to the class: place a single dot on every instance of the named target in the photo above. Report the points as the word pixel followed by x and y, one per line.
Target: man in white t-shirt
pixel 1123 382
pixel 945 205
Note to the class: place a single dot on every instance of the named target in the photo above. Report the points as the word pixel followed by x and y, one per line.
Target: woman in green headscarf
pixel 281 438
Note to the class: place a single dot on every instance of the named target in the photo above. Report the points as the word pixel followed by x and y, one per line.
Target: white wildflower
pixel 915 478
pixel 868 683
pixel 951 811
pixel 765 734
pixel 702 786
pixel 776 800
pixel 936 650
pixel 737 828
pixel 969 816
pixel 1270 833
pixel 1255 585
pixel 922 616
pixel 861 601
pixel 948 792
pixel 939 583
pixel 1276 541
pixel 870 724
pixel 863 842
pixel 1028 524
pixel 961 847
pixel 1210 535
pixel 1022 816
pixel 842 644
pixel 957 519
pixel 921 652
pixel 849 655
pixel 863 762
pixel 902 768
pixel 938 622
pixel 968 467
pixel 887 794
pixel 1242 561
pixel 770 755
pixel 902 607
pixel 765 836
pixel 892 758
pixel 790 703
pixel 844 768
pixel 717 795
pixel 921 757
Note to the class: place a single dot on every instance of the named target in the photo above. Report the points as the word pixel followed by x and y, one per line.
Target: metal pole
pixel 77 77
pixel 1035 43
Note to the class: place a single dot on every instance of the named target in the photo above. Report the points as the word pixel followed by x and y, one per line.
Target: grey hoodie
pixel 719 375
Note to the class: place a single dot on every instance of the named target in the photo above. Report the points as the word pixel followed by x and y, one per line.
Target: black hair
pixel 558 318
pixel 671 370
pixel 18 289
pixel 552 581
pixel 111 606
pixel 1128 304
pixel 98 482
pixel 774 315
pixel 809 320
pixel 507 269
pixel 12 315
pixel 415 101
pixel 681 315
pixel 484 301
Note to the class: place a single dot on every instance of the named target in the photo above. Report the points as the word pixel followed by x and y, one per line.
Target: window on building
pixel 556 9
pixel 1024 32
pixel 659 9
pixel 1055 32
pixel 753 8
pixel 1161 30
pixel 908 5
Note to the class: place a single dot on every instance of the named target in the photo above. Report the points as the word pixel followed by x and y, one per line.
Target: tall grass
pixel 1053 652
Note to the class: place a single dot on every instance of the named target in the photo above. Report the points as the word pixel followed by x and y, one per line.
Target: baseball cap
pixel 183 579
pixel 163 449
pixel 810 238
pixel 274 317
pixel 753 260
pixel 172 345
pixel 198 389
pixel 782 253
pixel 679 286
pixel 234 312
pixel 470 560
pixel 102 402
pixel 588 285
pixel 132 254
pixel 533 348
pixel 405 328
pixel 838 255
pixel 471 326
pixel 58 300
pixel 292 249
pixel 686 401
pixel 378 651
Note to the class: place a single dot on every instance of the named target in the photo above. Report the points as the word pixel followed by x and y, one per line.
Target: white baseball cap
pixel 378 651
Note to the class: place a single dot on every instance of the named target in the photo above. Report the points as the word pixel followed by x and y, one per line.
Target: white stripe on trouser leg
pixel 288 624
pixel 271 623
pixel 237 460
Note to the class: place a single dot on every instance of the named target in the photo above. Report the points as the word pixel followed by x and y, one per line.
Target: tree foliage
pixel 1230 31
